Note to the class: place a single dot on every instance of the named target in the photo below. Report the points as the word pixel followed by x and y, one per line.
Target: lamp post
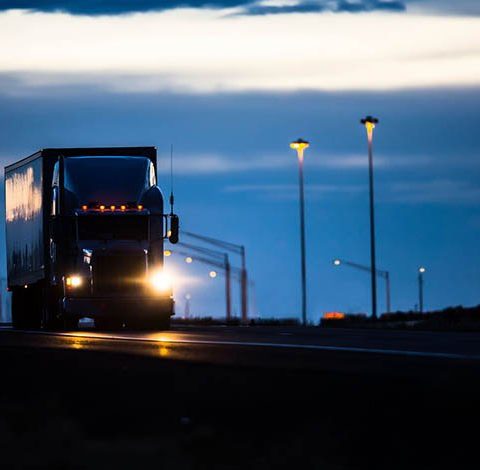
pixel 214 259
pixel 384 274
pixel 300 145
pixel 187 306
pixel 369 123
pixel 233 248
pixel 421 271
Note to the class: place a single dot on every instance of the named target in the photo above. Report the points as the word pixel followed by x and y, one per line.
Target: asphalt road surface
pixel 253 397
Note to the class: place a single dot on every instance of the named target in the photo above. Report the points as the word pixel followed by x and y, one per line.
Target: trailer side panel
pixel 24 223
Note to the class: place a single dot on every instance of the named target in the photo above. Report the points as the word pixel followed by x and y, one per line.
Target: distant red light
pixel 334 316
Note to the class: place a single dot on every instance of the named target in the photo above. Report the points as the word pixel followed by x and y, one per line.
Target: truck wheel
pixel 70 323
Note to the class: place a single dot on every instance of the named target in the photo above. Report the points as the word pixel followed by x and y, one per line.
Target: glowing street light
pixel 167 253
pixel 421 272
pixel 300 145
pixel 369 122
pixel 384 274
pixel 189 260
pixel 213 274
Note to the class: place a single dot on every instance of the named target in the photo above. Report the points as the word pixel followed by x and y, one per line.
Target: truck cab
pixel 103 227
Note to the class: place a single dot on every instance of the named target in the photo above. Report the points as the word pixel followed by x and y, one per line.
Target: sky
pixel 230 83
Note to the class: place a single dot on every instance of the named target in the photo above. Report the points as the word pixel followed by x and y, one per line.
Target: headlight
pixel 73 282
pixel 161 281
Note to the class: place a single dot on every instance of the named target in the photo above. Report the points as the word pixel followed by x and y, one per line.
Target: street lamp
pixel 233 248
pixel 379 272
pixel 369 122
pixel 300 145
pixel 187 306
pixel 421 272
pixel 213 258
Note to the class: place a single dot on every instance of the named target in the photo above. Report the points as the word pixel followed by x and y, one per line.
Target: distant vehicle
pixel 85 230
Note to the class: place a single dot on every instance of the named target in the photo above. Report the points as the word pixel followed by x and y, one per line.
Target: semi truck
pixel 85 233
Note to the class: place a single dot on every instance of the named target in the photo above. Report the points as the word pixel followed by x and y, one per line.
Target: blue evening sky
pixel 223 85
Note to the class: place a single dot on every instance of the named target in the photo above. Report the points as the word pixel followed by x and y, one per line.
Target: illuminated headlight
pixel 161 281
pixel 73 282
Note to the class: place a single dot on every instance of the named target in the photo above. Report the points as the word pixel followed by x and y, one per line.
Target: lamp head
pixel 337 262
pixel 369 122
pixel 299 144
pixel 421 269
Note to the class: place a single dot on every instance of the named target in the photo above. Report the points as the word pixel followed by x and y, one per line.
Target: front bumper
pixel 120 307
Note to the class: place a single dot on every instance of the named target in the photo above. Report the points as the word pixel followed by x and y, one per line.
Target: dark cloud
pixel 369 5
pixel 271 10
pixel 113 7
pixel 118 7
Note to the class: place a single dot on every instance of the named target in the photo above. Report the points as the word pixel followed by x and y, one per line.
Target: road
pixel 221 397
pixel 442 345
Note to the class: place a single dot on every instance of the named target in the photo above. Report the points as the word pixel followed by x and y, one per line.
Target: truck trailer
pixel 85 232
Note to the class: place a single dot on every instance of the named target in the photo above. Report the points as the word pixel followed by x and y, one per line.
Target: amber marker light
pixel 140 207
pixel 84 207
pixel 123 208
pixel 102 207
pixel 112 208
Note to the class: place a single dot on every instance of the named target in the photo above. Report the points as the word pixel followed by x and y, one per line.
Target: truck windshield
pixel 107 180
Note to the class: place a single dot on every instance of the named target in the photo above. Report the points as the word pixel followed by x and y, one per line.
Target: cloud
pixel 445 191
pixel 202 51
pixel 287 192
pixel 211 164
pixel 248 7
pixel 112 7
pixel 440 191
pixel 266 7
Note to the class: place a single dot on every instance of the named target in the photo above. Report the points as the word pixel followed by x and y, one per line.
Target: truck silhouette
pixel 85 231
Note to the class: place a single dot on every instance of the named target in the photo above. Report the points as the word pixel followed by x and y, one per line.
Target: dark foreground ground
pixel 94 404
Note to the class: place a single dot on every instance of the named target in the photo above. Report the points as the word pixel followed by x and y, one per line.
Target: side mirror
pixel 174 229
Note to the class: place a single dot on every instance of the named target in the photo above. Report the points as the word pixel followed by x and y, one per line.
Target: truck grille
pixel 118 274
pixel 112 227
